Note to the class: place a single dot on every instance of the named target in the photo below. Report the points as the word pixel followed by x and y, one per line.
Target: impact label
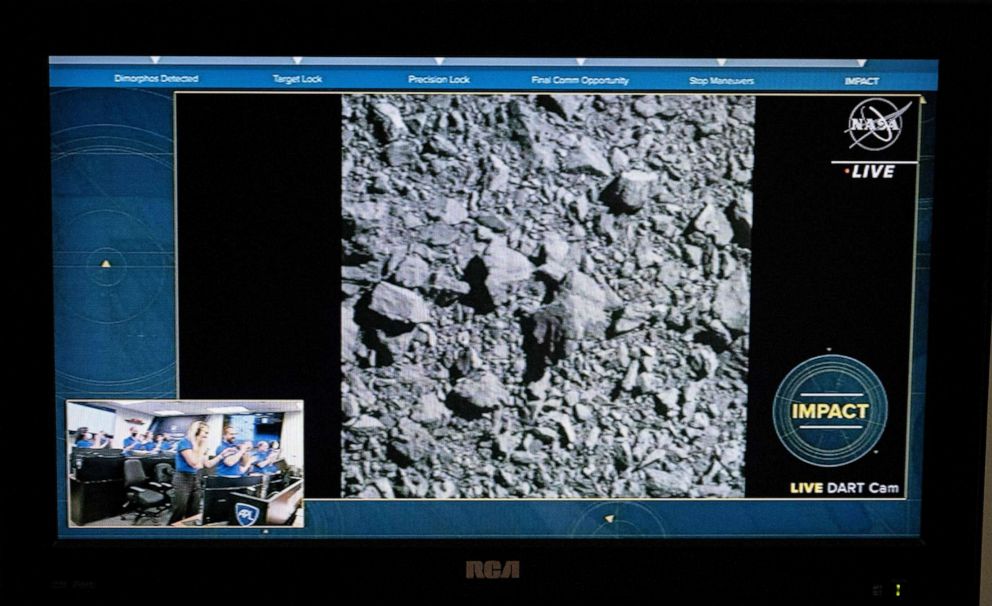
pixel 830 410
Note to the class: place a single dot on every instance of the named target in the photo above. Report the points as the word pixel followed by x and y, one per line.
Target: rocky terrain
pixel 545 296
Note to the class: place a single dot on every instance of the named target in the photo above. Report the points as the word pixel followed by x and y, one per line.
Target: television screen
pixel 599 297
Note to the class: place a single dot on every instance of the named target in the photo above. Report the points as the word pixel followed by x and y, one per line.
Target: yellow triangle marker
pixel 609 519
pixel 105 264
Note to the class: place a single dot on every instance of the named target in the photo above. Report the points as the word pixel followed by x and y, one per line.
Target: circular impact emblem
pixel 830 410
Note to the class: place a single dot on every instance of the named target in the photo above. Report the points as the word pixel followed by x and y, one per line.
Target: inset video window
pixel 184 463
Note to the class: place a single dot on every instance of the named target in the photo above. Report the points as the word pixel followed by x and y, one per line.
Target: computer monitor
pixel 219 496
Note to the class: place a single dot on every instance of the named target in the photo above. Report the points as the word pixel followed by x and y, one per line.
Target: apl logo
pixel 875 124
pixel 246 514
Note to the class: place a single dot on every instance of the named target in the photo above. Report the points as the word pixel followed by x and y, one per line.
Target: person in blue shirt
pixel 161 445
pixel 264 459
pixel 101 440
pixel 84 440
pixel 157 445
pixel 237 463
pixel 131 442
pixel 192 455
pixel 147 443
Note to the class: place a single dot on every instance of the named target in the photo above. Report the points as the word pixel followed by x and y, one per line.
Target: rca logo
pixel 492 569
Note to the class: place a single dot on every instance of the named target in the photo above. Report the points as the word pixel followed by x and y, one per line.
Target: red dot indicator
pixel 847 171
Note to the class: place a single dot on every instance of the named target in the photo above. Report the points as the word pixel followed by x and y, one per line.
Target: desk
pixel 96 486
pixel 95 500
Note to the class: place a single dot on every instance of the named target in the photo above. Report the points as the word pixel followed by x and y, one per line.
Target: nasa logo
pixel 246 514
pixel 875 124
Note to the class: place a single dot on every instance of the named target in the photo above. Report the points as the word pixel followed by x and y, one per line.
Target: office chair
pixel 140 496
pixel 163 481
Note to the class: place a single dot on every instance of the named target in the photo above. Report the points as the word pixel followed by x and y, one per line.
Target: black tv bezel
pixel 684 571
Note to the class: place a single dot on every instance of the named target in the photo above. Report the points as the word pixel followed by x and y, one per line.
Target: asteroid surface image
pixel 545 296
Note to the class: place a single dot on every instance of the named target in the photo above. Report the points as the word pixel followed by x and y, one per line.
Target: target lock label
pixel 830 410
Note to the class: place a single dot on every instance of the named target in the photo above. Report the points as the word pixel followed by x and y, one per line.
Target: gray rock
pixel 579 311
pixel 647 383
pixel 365 214
pixel 465 362
pixel 444 283
pixel 630 376
pixel 350 407
pixel 366 424
pixel 399 304
pixel 732 302
pixel 357 273
pixel 498 175
pixel 506 443
pixel 397 345
pixel 444 490
pixel 554 271
pixel 584 317
pixel 401 153
pixel 349 334
pixel 539 389
pixel 731 456
pixel 389 122
pixel 716 335
pixel 506 478
pixel 523 124
pixel 567 430
pixel 430 411
pixel 545 337
pixel 630 191
pixel 411 443
pixel 628 319
pixel 545 434
pixel 565 106
pixel 505 266
pixel 690 395
pixel 441 145
pixel 667 398
pixel 555 248
pixel 587 158
pixel 483 393
pixel 580 206
pixel 712 222
pixel 412 272
pixel 741 217
pixel 592 439
pixel 522 457
pixel 647 107
pixel 606 226
pixel 493 222
pixel 647 257
pixel 703 362
pixel 580 284
pixel 693 255
pixel 666 484
pixel 454 212
pixel 370 492
pixel 440 234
